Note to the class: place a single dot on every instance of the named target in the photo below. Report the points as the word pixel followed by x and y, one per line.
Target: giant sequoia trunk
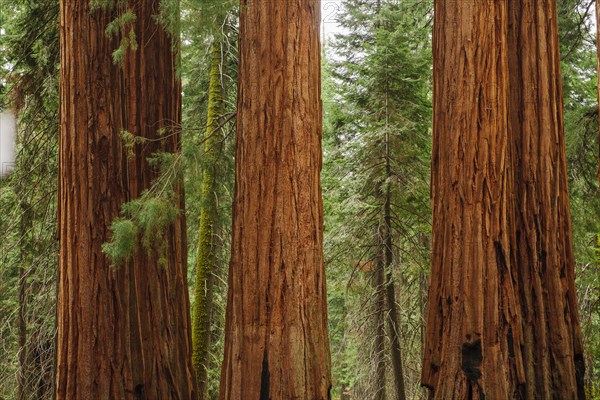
pixel 122 333
pixel 276 343
pixel 472 344
pixel 207 240
pixel 552 348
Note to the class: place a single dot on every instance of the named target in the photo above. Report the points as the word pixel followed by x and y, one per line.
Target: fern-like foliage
pixel 145 221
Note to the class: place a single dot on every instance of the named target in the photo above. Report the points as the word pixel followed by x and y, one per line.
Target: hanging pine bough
pixel 145 221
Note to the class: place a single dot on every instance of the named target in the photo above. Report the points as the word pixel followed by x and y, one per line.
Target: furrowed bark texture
pixel 276 343
pixel 553 348
pixel 472 342
pixel 207 241
pixel 122 333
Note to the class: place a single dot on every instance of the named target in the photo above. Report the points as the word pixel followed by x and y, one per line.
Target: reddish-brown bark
pixel 472 343
pixel 552 347
pixel 122 333
pixel 276 343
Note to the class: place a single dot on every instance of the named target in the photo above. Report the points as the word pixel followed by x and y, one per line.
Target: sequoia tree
pixel 552 343
pixel 123 331
pixel 276 341
pixel 473 339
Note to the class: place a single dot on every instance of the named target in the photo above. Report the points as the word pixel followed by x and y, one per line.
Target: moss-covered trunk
pixel 206 258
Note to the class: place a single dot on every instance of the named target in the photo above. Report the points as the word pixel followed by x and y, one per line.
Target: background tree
pixel 28 250
pixel 598 68
pixel 208 162
pixel 276 343
pixel 376 190
pixel 208 241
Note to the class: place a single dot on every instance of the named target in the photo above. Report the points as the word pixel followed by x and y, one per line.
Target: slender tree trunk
pixel 393 323
pixel 390 290
pixel 473 339
pixel 379 345
pixel 553 349
pixel 276 341
pixel 122 333
pixel 207 241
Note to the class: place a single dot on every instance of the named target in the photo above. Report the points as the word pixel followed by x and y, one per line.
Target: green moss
pixel 206 260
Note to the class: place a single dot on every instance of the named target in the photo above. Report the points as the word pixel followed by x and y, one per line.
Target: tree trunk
pixel 472 344
pixel 276 342
pixel 393 323
pixel 553 349
pixel 390 290
pixel 122 333
pixel 379 345
pixel 207 241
